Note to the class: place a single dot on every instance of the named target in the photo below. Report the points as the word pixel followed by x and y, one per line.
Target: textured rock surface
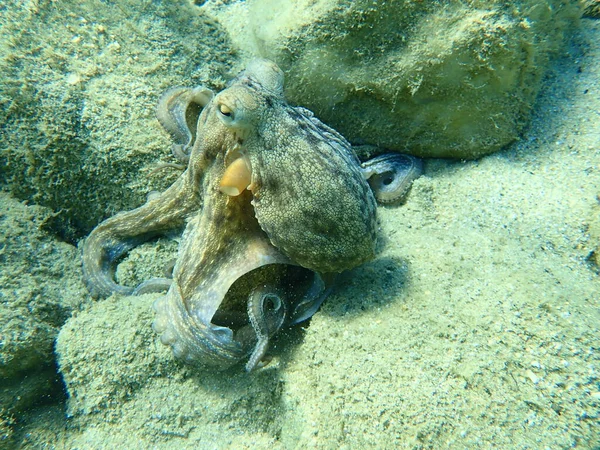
pixel 40 287
pixel 100 374
pixel 77 101
pixel 454 80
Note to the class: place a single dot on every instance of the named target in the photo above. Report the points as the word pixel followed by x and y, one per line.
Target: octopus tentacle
pixel 319 289
pixel 270 309
pixel 177 111
pixel 192 338
pixel 114 237
pixel 152 285
pixel 391 175
pixel 185 316
pixel 267 311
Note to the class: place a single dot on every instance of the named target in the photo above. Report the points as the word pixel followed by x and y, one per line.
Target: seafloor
pixel 477 326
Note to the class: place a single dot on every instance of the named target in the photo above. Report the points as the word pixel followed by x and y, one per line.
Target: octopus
pixel 273 204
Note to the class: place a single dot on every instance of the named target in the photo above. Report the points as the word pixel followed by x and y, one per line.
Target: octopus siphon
pixel 272 203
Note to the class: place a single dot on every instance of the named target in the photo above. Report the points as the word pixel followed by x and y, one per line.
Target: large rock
pixel 78 91
pixel 455 80
pixel 40 287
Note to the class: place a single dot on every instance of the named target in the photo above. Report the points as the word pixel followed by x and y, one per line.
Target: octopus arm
pixel 391 175
pixel 177 111
pixel 114 237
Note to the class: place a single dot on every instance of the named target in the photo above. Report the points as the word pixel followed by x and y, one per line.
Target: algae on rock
pixel 434 79
pixel 40 286
pixel 79 86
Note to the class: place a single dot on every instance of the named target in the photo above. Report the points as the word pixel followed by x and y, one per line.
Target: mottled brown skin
pixel 309 193
pixel 308 204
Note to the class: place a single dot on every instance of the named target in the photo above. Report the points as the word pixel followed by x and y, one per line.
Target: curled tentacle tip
pixel 391 175
pixel 267 311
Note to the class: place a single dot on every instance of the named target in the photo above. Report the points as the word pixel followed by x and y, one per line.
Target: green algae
pixel 77 101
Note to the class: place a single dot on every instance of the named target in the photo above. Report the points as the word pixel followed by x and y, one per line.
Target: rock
pixel 40 287
pixel 77 102
pixel 457 81
pixel 108 352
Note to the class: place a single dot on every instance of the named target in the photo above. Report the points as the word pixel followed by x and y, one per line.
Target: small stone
pixel 533 377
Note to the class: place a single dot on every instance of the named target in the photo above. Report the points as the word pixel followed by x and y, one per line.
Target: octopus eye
pixel 226 111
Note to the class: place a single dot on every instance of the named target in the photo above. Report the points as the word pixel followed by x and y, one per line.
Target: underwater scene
pixel 276 224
